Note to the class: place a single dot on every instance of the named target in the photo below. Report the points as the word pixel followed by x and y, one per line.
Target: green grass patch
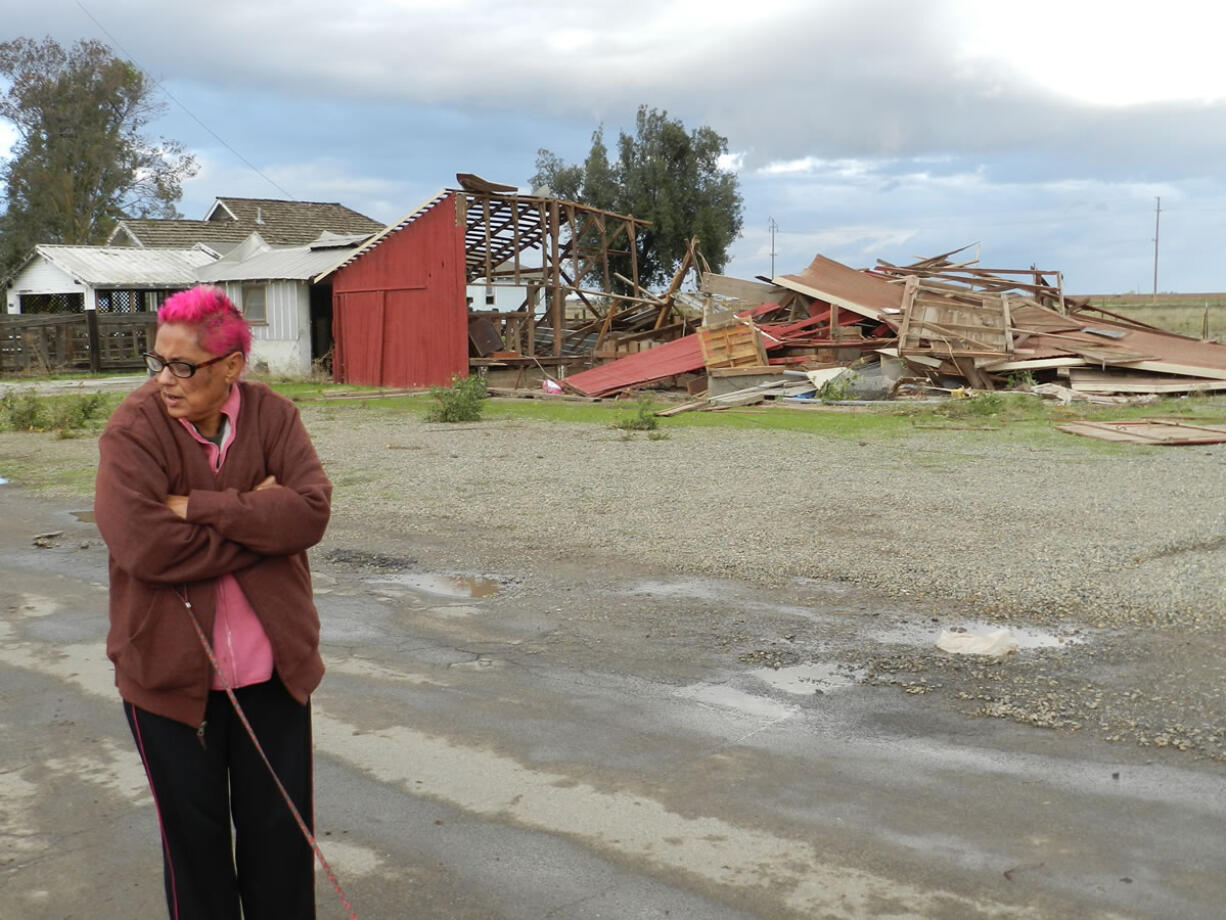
pixel 1183 314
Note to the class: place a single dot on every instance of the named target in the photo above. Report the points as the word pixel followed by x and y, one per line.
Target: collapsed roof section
pixel 944 325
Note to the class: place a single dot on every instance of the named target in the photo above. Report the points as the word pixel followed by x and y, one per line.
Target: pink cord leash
pixel 242 716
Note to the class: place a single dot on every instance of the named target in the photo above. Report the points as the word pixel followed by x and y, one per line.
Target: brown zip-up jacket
pixel 155 556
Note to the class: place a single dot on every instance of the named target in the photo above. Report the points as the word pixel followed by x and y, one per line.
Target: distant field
pixel 1184 314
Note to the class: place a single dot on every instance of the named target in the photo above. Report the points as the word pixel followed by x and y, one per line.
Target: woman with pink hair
pixel 208 495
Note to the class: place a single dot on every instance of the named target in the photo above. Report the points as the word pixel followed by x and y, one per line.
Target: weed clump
pixel 643 419
pixel 63 414
pixel 76 413
pixel 461 402
pixel 22 411
pixel 990 404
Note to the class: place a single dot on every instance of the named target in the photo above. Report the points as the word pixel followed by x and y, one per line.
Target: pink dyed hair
pixel 221 327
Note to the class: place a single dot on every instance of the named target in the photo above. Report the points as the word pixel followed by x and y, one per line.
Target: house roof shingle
pixel 290 223
pixel 231 220
pixel 149 233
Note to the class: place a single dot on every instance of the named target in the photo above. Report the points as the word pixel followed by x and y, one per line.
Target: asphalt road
pixel 557 744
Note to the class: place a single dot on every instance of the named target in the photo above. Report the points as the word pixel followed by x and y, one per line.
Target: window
pixel 253 303
pixel 118 301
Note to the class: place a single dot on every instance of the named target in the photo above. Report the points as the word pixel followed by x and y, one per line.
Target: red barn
pixel 399 317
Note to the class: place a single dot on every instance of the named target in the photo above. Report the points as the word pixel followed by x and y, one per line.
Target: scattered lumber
pixel 947 324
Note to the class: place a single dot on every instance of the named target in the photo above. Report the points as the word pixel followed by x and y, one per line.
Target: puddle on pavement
pixel 807 679
pixel 462 586
pixel 87 516
pixel 922 635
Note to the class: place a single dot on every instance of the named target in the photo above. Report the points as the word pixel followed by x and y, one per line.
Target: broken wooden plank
pixel 1149 431
pixel 1089 380
pixel 750 292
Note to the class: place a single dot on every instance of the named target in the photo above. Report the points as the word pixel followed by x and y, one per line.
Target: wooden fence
pixel 46 343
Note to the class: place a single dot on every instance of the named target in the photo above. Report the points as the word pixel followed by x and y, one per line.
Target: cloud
pixel 875 128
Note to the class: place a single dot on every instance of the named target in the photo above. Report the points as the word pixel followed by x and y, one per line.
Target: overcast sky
pixel 1042 131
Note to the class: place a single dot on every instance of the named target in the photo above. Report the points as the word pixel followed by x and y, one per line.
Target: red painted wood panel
pixel 399 314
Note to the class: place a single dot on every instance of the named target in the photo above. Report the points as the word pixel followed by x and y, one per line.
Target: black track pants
pixel 198 790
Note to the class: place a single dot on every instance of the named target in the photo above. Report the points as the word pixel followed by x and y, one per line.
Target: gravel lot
pixel 1119 551
pixel 1115 553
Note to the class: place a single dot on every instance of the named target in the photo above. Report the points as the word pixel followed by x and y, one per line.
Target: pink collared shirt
pixel 239 643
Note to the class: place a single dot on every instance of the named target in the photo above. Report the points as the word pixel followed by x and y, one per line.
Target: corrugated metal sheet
pixel 676 357
pixel 671 358
pixel 285 306
pixel 100 266
pixel 833 282
pixel 300 263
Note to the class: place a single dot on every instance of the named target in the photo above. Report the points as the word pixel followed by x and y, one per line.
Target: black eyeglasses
pixel 155 363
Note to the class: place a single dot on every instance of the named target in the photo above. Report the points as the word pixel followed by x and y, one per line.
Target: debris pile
pixel 892 331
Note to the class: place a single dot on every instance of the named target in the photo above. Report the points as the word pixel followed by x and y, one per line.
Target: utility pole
pixel 1157 217
pixel 774 228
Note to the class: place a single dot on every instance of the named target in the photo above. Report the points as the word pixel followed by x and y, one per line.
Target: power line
pixel 774 228
pixel 189 112
pixel 1157 216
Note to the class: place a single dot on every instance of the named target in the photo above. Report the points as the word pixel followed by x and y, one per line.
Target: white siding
pixel 41 277
pixel 507 297
pixel 283 342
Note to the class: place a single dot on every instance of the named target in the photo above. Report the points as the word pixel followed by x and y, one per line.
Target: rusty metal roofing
pixel 670 359
pixel 112 266
pixel 853 290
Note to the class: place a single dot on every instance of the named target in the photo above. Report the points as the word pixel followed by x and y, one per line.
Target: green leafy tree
pixel 661 173
pixel 81 161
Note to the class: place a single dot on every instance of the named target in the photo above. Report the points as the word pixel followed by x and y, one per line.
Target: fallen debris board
pixel 720 382
pixel 668 360
pixel 1139 349
pixel 1089 380
pixel 1149 431
pixel 968 324
pixel 483 337
pixel 733 344
pixel 853 290
pixel 749 292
